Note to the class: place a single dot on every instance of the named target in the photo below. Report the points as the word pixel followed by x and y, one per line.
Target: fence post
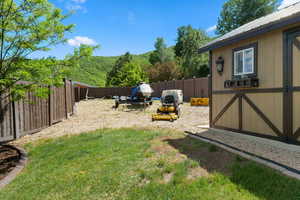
pixel 79 93
pixel 183 89
pixel 16 122
pixel 50 106
pixel 194 86
pixel 72 96
pixel 66 101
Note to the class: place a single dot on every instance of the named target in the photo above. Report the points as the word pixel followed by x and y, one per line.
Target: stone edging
pixel 19 167
pixel 249 156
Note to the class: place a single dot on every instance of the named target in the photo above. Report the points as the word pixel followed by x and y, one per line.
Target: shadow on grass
pixel 209 157
pixel 264 182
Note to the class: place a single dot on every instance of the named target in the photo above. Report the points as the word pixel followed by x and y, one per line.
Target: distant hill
pixel 93 70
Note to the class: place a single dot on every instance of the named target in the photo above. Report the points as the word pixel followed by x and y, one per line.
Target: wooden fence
pixel 197 87
pixel 33 114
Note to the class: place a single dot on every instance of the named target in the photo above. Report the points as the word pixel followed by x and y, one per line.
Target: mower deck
pixel 162 116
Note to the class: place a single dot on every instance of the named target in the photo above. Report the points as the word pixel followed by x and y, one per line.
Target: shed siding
pixel 219 101
pixel 252 122
pixel 270 74
pixel 271 105
pixel 229 119
pixel 269 61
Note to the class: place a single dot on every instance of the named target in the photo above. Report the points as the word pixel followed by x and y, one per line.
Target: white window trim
pixel 253 65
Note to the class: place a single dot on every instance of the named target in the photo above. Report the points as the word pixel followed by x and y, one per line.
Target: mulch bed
pixel 9 158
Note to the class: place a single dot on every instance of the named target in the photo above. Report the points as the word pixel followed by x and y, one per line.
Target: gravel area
pixel 97 114
pixel 280 152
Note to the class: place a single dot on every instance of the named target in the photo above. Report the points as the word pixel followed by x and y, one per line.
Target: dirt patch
pixel 197 172
pixel 205 159
pixel 163 149
pixel 217 160
pixel 144 182
pixel 167 177
pixel 9 158
pixel 98 114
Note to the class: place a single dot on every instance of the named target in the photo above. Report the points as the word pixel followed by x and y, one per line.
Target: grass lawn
pixel 142 164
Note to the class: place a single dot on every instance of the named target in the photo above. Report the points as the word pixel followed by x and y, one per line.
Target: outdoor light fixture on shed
pixel 220 65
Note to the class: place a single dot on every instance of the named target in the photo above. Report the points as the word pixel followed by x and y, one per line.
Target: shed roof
pixel 275 20
pixel 77 83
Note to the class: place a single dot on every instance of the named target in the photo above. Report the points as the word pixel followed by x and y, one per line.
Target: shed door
pixel 292 85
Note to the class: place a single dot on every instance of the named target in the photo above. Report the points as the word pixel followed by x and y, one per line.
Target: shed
pixel 255 77
pixel 82 85
pixel 81 90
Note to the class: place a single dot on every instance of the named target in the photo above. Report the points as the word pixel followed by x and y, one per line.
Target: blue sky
pixel 132 25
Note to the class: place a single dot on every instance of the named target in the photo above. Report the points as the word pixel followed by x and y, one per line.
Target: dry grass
pixel 175 148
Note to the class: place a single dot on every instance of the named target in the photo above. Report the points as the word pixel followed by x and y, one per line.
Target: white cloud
pixel 75 5
pixel 211 29
pixel 78 40
pixel 79 1
pixel 286 3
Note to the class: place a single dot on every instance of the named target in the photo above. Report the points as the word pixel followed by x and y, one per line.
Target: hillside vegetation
pixel 93 70
pixel 177 62
pixel 162 64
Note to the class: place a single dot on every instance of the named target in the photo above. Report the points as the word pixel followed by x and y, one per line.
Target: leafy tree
pixel 199 66
pixel 164 72
pixel 131 74
pixel 28 26
pixel 189 40
pixel 125 72
pixel 112 77
pixel 236 13
pixel 47 71
pixel 161 53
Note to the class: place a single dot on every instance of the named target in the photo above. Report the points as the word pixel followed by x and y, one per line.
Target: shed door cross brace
pixel 297 133
pixel 241 96
pixel 226 107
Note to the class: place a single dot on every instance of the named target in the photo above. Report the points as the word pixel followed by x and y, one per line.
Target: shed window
pixel 244 62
